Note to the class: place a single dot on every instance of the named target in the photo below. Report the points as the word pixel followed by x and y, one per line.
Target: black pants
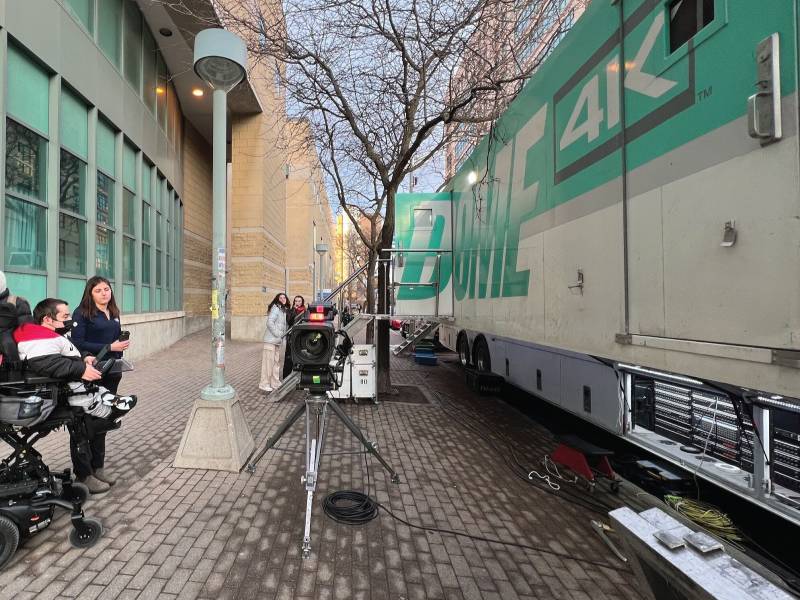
pixel 81 464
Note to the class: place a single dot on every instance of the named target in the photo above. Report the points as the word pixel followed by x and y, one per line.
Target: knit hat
pixel 3 284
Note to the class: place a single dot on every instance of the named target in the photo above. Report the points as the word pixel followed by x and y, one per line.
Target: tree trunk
pixel 384 375
pixel 369 301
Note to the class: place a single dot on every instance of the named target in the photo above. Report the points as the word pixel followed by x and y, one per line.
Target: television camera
pixel 319 360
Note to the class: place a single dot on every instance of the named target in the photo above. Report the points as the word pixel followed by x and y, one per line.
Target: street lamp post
pixel 322 249
pixel 220 59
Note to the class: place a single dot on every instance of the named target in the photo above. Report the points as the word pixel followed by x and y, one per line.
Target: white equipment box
pixel 360 377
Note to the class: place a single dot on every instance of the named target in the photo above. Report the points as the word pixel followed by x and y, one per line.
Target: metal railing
pixel 437 284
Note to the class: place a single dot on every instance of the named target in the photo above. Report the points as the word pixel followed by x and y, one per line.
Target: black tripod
pixel 316 408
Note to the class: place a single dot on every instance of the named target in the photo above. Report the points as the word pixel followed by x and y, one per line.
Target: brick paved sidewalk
pixel 180 533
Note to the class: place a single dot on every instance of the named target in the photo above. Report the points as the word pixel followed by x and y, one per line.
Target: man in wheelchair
pixel 50 354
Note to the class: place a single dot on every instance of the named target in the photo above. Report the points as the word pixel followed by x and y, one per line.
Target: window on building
pixel 161 94
pixel 132 45
pixel 72 186
pixel 71 244
pixel 72 189
pixel 26 162
pixel 128 260
pixel 104 235
pixel 109 30
pixel 27 101
pixel 146 225
pixel 83 12
pixel 149 70
pixel 686 19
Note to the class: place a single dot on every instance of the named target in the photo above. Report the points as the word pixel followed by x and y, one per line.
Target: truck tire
pixel 483 360
pixel 463 351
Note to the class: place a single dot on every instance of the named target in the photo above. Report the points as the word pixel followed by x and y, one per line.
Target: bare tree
pixel 382 82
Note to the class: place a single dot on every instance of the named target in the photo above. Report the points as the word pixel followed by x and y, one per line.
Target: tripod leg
pixel 313 454
pixel 370 446
pixel 251 467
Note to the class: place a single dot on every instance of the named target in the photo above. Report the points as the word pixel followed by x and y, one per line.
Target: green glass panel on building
pixel 72 189
pixel 128 298
pixel 129 166
pixel 146 298
pixel 145 222
pixel 145 263
pixel 106 148
pixel 71 290
pixel 26 162
pixel 158 267
pixel 128 259
pixel 161 94
pixel 159 194
pixel 27 91
pixel 158 299
pixel 159 230
pixel 128 204
pixel 83 11
pixel 31 287
pixel 25 235
pixel 109 34
pixel 146 176
pixel 167 305
pixel 71 244
pixel 149 70
pixel 74 124
pixel 105 199
pixel 132 45
pixel 104 253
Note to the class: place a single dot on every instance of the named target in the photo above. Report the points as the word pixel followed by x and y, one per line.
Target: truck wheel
pixel 463 351
pixel 483 360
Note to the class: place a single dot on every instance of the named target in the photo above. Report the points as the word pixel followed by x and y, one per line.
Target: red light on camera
pixel 320 309
pixel 317 316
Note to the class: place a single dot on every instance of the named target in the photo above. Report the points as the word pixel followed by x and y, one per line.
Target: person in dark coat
pixel 97 325
pixel 298 306
pixel 14 311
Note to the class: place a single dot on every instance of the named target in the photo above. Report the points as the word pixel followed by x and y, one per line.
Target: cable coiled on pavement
pixel 350 508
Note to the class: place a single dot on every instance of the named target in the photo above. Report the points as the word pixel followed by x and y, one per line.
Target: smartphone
pixel 124 336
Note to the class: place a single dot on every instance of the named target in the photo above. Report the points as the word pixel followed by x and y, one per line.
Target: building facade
pixel 108 165
pixel 309 220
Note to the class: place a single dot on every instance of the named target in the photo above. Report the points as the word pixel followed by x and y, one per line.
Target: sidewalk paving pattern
pixel 182 533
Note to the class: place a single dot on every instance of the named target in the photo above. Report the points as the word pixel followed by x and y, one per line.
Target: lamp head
pixel 322 249
pixel 220 58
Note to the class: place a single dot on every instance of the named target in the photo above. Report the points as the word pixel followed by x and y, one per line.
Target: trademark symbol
pixel 703 94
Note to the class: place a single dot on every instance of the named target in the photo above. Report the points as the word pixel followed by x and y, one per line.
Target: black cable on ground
pixel 350 508
pixel 362 509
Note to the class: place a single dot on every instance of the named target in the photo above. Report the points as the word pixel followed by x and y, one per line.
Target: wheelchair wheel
pixel 9 538
pixel 95 527
pixel 80 493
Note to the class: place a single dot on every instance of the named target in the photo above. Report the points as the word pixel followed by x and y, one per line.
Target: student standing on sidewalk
pixel 272 361
pixel 97 325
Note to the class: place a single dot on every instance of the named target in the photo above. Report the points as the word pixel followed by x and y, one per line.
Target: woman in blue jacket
pixel 97 325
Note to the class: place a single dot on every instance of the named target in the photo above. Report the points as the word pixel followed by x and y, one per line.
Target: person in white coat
pixel 272 361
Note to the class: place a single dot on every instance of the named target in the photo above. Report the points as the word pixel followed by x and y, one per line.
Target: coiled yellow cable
pixel 706 515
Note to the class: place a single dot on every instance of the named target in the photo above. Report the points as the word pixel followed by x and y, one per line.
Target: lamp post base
pixel 216 437
pixel 212 392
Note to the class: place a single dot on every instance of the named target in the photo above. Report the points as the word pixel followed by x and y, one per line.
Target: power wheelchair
pixel 31 407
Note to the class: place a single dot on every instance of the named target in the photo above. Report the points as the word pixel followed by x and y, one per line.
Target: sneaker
pixel 123 403
pixel 266 389
pixel 102 475
pixel 95 485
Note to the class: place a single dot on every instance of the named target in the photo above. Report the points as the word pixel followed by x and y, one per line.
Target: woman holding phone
pixel 97 325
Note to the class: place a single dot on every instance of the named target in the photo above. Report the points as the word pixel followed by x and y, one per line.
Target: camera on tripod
pixel 313 345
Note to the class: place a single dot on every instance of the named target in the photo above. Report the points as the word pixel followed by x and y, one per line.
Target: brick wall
pixel 197 217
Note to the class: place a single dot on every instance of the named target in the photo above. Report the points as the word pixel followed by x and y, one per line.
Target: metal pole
pixel 438 279
pixel 218 390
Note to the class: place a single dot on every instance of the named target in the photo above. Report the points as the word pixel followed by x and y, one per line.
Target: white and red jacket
pixel 52 355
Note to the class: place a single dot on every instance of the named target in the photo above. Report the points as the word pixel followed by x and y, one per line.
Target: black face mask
pixel 66 327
